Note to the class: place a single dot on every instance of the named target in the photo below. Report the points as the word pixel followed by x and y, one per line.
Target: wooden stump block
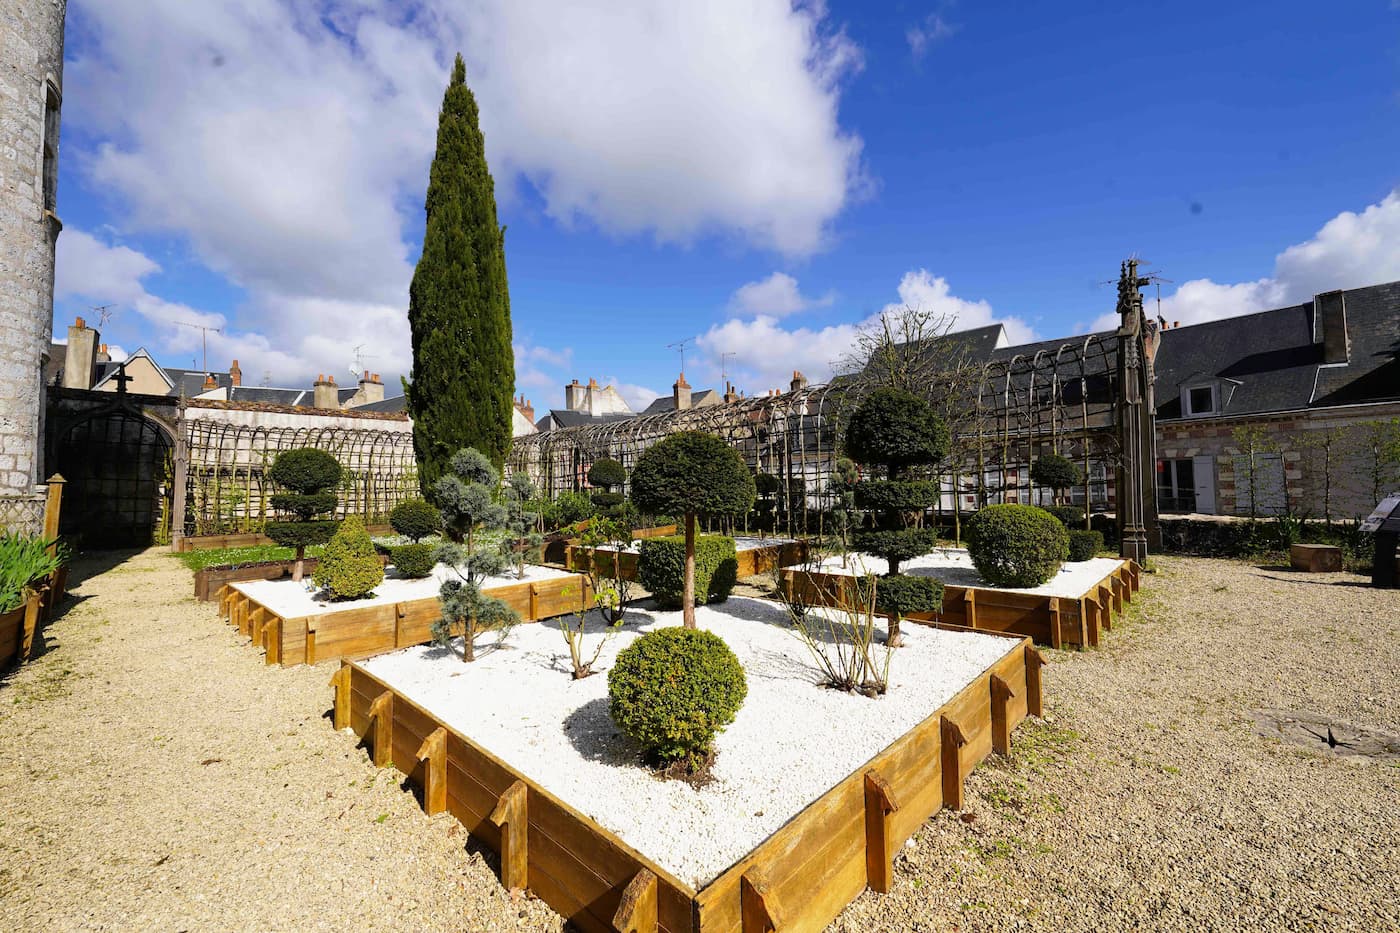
pixel 879 859
pixel 1315 558
pixel 512 816
pixel 636 913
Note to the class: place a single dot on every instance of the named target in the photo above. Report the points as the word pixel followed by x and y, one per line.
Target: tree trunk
pixel 468 644
pixel 298 569
pixel 688 595
pixel 894 639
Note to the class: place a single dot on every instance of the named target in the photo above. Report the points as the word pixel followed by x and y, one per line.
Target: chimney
pixel 324 393
pixel 210 382
pixel 527 411
pixel 799 381
pixel 235 375
pixel 102 355
pixel 729 394
pixel 575 396
pixel 80 359
pixel 371 389
pixel 1330 326
pixel 680 393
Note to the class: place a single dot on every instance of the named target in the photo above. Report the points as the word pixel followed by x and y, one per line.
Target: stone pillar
pixel 31 87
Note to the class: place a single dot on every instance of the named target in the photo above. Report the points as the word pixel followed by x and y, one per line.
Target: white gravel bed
pixel 291 600
pixel 954 567
pixel 790 743
pixel 741 543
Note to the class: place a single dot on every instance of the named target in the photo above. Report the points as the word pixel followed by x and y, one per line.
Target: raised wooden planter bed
pixel 556 547
pixel 364 631
pixel 799 878
pixel 764 558
pixel 1057 621
pixel 209 581
pixel 19 626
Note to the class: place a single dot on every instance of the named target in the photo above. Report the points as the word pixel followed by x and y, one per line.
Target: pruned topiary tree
pixel 466 495
pixel 893 432
pixel 606 476
pixel 311 475
pixel 415 519
pixel 692 473
pixel 1056 473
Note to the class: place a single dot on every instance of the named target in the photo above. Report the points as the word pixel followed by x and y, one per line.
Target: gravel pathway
pixel 160 777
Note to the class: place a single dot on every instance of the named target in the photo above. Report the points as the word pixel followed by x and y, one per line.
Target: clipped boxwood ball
pixel 607 473
pixel 911 496
pixel 300 534
pixel 1084 544
pixel 902 596
pixel 896 429
pixel 1017 545
pixel 673 690
pixel 606 500
pixel 305 469
pixel 661 569
pixel 416 519
pixel 414 560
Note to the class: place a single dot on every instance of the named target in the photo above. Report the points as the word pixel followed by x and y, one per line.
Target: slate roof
pixel 668 402
pixel 567 418
pixel 396 404
pixel 1268 361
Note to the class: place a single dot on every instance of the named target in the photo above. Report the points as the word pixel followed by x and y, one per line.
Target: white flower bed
pixel 791 742
pixel 953 567
pixel 291 600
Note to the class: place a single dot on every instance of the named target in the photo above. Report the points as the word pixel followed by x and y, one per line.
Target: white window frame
pixel 1189 409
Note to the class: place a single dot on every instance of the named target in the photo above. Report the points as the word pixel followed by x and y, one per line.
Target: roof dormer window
pixel 1201 400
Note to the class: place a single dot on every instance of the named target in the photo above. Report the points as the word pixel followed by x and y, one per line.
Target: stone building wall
pixel 31 73
pixel 1295 438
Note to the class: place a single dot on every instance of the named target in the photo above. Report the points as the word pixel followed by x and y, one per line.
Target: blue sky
pixel 758 177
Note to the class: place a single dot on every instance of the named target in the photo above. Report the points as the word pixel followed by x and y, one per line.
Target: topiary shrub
pixel 693 473
pixel 349 567
pixel 467 495
pixel 1071 516
pixel 310 475
pixel 767 485
pixel 607 473
pixel 414 561
pixel 415 519
pixel 672 690
pixel 1016 545
pixel 569 508
pixel 1055 472
pixel 902 596
pixel 661 569
pixel 896 430
pixel 606 500
pixel 1084 544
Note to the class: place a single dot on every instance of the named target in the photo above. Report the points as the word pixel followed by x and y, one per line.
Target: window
pixel 52 103
pixel 1176 485
pixel 1200 400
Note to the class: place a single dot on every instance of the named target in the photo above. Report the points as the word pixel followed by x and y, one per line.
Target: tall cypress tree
pixel 463 378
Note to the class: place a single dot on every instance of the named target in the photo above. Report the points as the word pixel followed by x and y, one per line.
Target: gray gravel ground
pixel 160 777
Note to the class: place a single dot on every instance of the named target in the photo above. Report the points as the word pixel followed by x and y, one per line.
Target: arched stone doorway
pixel 117 464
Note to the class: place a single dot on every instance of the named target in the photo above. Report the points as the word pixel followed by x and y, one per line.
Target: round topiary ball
pixel 415 519
pixel 1055 472
pixel 607 473
pixel 896 429
pixel 673 690
pixel 414 561
pixel 305 470
pixel 1083 545
pixel 1017 545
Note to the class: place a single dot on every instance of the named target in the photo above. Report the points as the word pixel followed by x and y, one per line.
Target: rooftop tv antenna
pixel 357 365
pixel 679 346
pixel 724 367
pixel 204 332
pixel 104 313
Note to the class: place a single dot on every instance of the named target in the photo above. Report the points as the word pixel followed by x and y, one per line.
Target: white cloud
pixel 776 296
pixel 924 291
pixel 289 142
pixel 1349 251
pixel 930 30
pixel 764 352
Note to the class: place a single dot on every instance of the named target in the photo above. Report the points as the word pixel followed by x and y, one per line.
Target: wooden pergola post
pixel 53 507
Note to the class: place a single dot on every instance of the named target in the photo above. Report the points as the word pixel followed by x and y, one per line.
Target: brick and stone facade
pixel 31 74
